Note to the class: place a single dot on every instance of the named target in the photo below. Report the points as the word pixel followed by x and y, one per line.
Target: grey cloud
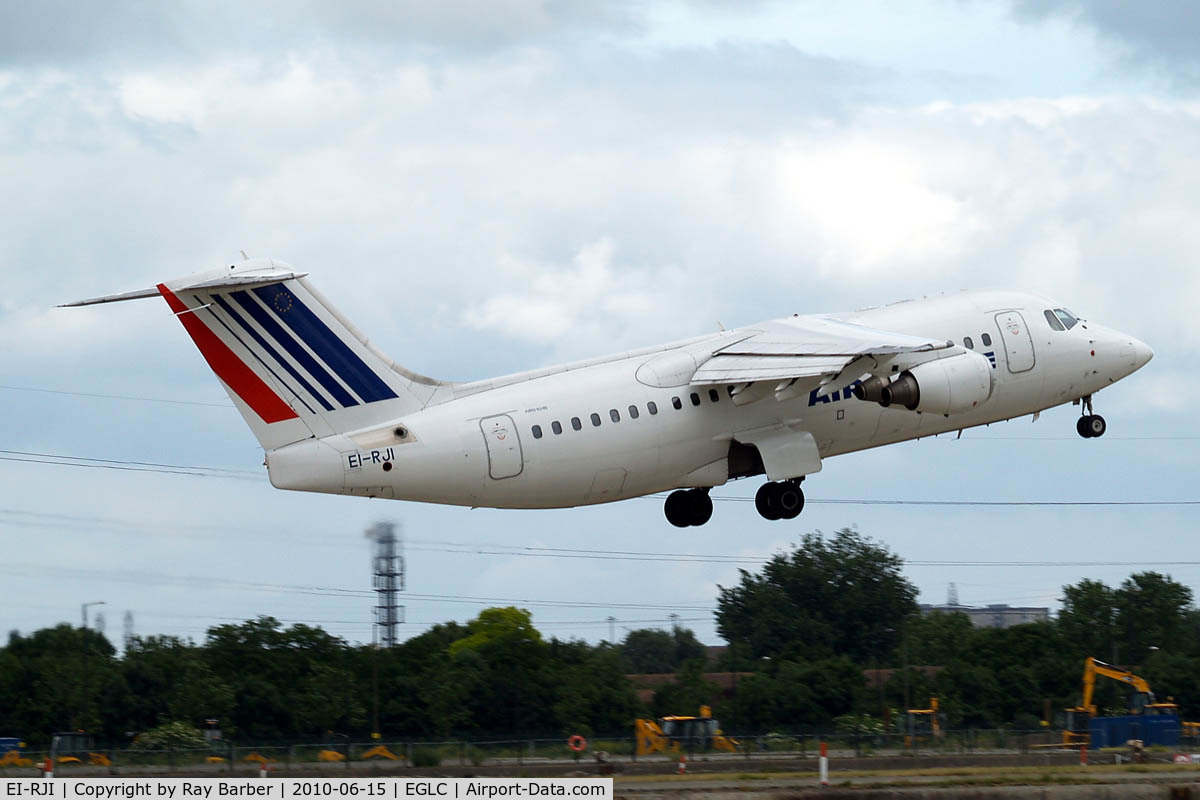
pixel 1163 33
pixel 140 31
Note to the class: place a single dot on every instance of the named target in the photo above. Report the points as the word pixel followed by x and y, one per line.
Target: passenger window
pixel 652 407
pixel 986 338
pixel 595 420
pixel 712 395
pixel 554 426
pixel 537 431
pixel 1067 317
pixel 633 412
pixel 576 424
pixel 967 343
pixel 695 399
pixel 677 403
pixel 614 415
pixel 1053 320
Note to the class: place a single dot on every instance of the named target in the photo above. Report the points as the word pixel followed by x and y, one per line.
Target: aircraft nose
pixel 1132 354
pixel 1141 353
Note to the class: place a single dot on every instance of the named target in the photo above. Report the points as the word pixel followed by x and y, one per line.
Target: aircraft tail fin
pixel 294 367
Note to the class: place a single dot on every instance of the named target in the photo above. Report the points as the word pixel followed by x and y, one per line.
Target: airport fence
pixel 397 755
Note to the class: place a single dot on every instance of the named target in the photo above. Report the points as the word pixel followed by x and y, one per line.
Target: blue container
pixel 9 743
pixel 1150 728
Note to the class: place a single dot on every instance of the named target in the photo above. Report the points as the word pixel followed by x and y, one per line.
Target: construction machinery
pixel 1142 702
pixel 923 722
pixel 678 734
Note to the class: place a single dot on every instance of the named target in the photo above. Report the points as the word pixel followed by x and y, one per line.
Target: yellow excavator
pixel 1142 702
pixel 677 734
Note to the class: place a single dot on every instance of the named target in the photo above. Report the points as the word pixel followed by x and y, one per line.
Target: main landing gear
pixel 780 500
pixel 1090 426
pixel 686 507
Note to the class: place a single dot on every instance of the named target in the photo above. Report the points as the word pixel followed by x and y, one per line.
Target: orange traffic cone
pixel 683 764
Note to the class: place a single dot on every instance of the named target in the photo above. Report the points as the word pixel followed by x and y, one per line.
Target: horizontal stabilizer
pixel 244 280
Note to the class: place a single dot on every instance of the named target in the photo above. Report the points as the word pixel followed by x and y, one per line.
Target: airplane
pixel 334 414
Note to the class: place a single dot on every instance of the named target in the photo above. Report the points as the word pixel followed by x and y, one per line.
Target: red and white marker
pixel 824 765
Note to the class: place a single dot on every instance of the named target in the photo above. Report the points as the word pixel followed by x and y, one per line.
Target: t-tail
pixel 294 367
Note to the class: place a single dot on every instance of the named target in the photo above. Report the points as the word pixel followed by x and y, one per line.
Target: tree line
pixel 801 634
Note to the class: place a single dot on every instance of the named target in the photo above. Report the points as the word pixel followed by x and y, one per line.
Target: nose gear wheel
pixel 1090 425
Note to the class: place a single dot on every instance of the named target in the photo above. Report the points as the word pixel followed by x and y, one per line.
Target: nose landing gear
pixel 687 507
pixel 1090 426
pixel 779 500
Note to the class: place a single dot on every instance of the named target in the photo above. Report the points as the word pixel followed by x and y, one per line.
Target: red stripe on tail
pixel 229 368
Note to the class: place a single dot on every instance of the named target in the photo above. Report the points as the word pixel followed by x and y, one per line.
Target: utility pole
pixel 388 581
pixel 612 630
pixel 375 732
pixel 129 634
pixel 83 710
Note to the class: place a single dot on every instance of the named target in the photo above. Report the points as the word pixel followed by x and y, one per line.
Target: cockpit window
pixel 1053 320
pixel 1068 319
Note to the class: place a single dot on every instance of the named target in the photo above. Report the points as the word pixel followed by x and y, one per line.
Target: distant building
pixel 996 615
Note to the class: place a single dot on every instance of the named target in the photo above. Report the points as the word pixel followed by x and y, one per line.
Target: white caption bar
pixel 306 788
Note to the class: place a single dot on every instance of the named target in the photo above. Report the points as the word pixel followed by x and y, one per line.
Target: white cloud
pixel 541 303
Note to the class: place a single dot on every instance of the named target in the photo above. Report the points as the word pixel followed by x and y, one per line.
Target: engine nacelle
pixel 947 386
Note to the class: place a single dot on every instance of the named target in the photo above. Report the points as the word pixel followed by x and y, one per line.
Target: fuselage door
pixel 1018 345
pixel 503 446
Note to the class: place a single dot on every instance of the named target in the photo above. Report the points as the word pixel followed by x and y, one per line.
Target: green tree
pixel 938 638
pixel 273 671
pixel 653 650
pixel 1088 620
pixel 830 597
pixel 685 694
pixel 1152 611
pixel 61 678
pixel 167 679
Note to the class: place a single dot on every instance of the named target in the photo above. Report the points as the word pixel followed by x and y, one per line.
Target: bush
pixel 171 736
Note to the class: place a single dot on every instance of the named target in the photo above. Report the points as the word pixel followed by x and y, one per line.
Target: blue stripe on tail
pixel 325 343
pixel 272 352
pixel 268 323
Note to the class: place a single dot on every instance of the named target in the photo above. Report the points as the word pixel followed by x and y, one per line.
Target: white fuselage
pixel 512 442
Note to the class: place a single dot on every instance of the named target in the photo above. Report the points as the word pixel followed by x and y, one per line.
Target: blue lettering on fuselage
pixel 845 393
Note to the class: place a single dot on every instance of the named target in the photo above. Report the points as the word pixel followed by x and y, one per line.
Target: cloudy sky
pixel 491 187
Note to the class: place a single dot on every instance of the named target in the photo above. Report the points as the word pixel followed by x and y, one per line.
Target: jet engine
pixel 945 386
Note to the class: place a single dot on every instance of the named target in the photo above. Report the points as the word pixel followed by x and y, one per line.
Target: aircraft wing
pixel 807 347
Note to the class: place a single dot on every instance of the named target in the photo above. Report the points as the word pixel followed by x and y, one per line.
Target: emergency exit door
pixel 503 446
pixel 1018 344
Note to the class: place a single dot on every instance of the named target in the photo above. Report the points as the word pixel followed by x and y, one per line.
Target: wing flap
pixel 723 368
pixel 805 347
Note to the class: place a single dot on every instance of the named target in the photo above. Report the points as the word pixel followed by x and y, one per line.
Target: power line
pixel 59 460
pixel 328 591
pixel 129 462
pixel 115 396
pixel 496 548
